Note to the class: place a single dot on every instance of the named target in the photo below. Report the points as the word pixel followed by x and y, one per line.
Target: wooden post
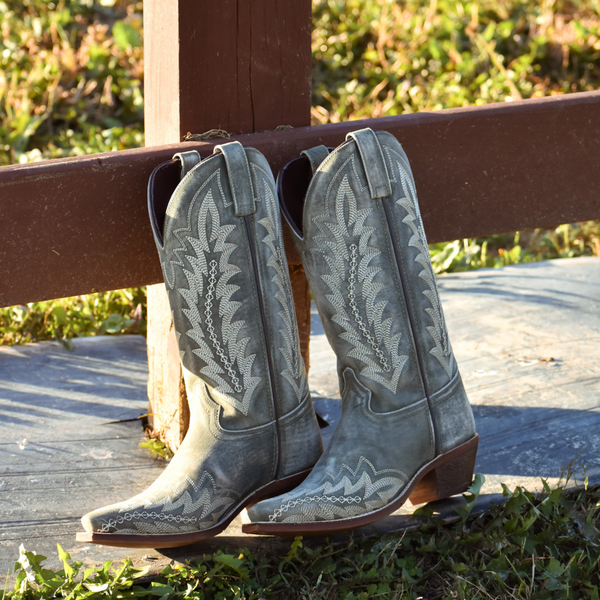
pixel 237 65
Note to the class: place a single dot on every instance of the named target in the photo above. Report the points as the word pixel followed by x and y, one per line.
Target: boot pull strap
pixel 240 181
pixel 316 156
pixel 373 162
pixel 188 161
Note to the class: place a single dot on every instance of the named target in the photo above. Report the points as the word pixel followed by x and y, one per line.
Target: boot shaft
pixel 224 265
pixel 364 248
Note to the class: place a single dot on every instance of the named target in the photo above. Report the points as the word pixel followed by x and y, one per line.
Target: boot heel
pixel 453 476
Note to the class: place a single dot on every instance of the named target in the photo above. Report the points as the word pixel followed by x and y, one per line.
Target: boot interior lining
pixel 164 180
pixel 292 183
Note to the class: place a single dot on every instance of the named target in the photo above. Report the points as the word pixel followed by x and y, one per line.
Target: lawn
pixel 71 83
pixel 541 547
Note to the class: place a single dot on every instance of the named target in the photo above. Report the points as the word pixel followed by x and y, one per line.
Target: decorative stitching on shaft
pixel 342 226
pixel 356 313
pixel 418 240
pixel 207 257
pixel 212 279
pixel 295 373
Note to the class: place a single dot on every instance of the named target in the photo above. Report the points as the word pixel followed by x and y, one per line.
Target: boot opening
pixel 292 185
pixel 163 181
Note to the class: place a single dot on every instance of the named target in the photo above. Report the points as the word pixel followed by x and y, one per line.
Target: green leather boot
pixel 407 429
pixel 253 432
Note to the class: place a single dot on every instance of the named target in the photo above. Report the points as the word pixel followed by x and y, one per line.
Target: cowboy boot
pixel 406 428
pixel 253 432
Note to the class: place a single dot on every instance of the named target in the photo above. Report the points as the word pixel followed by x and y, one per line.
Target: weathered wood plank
pixel 168 406
pixel 162 77
pixel 534 415
pixel 526 341
pixel 479 170
pixel 59 456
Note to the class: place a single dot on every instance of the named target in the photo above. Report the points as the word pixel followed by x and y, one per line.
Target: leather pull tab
pixel 188 161
pixel 240 181
pixel 373 162
pixel 316 156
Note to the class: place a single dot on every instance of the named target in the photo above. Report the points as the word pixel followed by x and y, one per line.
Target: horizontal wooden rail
pixel 73 226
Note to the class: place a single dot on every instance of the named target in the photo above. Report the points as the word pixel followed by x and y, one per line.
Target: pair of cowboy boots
pixel 406 430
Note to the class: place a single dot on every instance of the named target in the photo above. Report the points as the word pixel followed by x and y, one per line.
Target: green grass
pixel 71 83
pixel 121 311
pixel 71 79
pixel 531 547
pixel 380 57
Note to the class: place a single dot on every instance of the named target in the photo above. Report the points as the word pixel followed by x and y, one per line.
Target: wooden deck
pixel 526 339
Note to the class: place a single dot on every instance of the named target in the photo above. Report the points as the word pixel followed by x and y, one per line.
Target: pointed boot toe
pixel 89 523
pixel 407 429
pixel 253 432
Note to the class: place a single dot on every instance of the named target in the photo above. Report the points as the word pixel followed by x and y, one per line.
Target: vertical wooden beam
pixel 168 414
pixel 237 65
pixel 245 65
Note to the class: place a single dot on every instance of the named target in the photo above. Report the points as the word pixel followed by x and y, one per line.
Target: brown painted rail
pixel 73 226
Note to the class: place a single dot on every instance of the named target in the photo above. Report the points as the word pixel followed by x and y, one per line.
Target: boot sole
pixel 126 540
pixel 448 474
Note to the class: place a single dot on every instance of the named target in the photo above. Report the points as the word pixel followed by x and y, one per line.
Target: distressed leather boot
pixel 406 429
pixel 253 432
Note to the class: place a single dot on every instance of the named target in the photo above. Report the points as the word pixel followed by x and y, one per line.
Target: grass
pixel 70 84
pixel 380 57
pixel 71 79
pixel 121 311
pixel 530 547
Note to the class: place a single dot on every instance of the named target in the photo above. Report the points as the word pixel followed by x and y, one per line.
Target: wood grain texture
pixel 62 453
pixel 162 77
pixel 245 65
pixel 169 414
pixel 478 170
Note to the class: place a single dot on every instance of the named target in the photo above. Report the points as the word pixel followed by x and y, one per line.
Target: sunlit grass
pixel 530 547
pixel 71 83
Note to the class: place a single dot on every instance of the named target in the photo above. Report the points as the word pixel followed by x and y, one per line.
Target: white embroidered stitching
pixel 212 240
pixel 355 312
pixel 211 330
pixel 331 499
pixel 120 519
pixel 198 502
pixel 188 229
pixel 378 485
pixel 336 254
pixel 295 373
pixel 438 332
